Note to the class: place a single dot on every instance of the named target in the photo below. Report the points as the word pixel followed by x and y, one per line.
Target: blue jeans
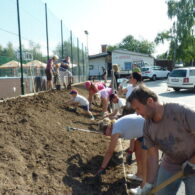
pixel 172 188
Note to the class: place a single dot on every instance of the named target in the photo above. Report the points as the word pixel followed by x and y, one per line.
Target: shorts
pixel 86 108
pixel 48 74
pixel 141 140
pixel 64 74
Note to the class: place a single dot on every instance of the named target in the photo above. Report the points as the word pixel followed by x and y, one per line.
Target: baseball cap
pixel 73 92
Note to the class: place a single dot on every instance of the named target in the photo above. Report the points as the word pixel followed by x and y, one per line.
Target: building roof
pixel 11 64
pixel 100 55
pixel 35 63
pixel 125 51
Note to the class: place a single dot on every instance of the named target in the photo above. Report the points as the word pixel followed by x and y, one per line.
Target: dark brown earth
pixel 39 156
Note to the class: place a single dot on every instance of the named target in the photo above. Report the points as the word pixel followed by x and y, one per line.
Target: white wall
pixel 97 65
pixel 124 57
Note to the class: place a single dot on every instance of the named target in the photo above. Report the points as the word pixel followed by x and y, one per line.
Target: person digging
pixel 169 127
pixel 127 127
pixel 93 89
pixel 118 105
pixel 79 101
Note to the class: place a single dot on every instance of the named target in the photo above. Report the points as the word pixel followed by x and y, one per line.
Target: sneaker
pixel 92 118
pixel 134 177
pixel 136 191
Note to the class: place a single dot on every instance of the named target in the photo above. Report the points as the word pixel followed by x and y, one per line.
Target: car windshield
pixel 178 73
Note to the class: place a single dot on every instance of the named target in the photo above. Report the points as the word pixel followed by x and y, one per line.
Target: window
pixel 90 67
pixel 144 69
pixel 127 65
pixel 192 72
pixel 156 68
pixel 178 73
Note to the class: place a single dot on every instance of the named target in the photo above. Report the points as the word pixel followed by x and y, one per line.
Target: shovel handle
pixel 166 182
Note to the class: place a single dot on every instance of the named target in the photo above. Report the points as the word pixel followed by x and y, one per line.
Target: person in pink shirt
pixel 93 88
pixel 104 95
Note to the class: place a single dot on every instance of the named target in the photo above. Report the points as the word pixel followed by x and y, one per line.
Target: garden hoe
pixel 166 183
pixel 68 128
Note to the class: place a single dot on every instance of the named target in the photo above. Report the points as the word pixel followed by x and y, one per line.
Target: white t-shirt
pixel 119 106
pixel 129 126
pixel 81 100
pixel 129 90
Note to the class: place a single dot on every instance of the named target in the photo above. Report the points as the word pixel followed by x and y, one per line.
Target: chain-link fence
pixel 30 35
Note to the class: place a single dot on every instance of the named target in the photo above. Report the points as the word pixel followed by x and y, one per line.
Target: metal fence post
pixel 78 57
pixel 86 61
pixel 83 61
pixel 62 40
pixel 71 50
pixel 20 49
pixel 47 36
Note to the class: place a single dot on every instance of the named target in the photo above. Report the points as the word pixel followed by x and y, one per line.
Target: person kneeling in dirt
pixel 93 88
pixel 118 105
pixel 81 101
pixel 127 127
pixel 104 95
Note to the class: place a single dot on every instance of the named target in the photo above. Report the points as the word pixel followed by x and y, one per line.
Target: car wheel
pixel 154 77
pixel 176 89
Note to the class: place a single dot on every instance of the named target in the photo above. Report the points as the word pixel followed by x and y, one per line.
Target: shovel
pixel 68 128
pixel 166 183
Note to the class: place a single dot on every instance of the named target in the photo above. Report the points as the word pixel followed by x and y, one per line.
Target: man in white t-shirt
pixel 127 127
pixel 81 101
pixel 118 105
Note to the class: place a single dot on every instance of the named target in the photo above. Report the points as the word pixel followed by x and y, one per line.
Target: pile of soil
pixel 39 156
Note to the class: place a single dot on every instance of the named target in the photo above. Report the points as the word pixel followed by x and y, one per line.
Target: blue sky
pixel 107 21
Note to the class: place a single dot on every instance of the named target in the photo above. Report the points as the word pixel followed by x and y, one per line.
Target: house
pixel 96 62
pixel 124 58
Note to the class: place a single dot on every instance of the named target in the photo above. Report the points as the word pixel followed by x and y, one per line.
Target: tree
pixel 35 49
pixel 7 53
pixel 112 47
pixel 180 36
pixel 132 44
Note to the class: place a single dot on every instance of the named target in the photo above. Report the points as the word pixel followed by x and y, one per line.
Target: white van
pixel 182 78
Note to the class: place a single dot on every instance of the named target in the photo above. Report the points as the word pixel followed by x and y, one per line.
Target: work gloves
pixel 129 157
pixel 147 187
pixel 188 168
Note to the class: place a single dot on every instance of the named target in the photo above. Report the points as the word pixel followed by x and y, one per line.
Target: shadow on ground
pixel 82 179
pixel 174 94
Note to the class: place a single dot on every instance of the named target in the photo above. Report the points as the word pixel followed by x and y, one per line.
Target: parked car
pixel 182 78
pixel 154 72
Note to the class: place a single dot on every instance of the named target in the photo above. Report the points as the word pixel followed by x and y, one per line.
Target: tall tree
pixel 180 36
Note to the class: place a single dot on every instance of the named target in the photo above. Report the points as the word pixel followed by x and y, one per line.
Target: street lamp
pixel 87 33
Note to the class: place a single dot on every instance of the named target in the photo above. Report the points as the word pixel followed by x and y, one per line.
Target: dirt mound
pixel 39 156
